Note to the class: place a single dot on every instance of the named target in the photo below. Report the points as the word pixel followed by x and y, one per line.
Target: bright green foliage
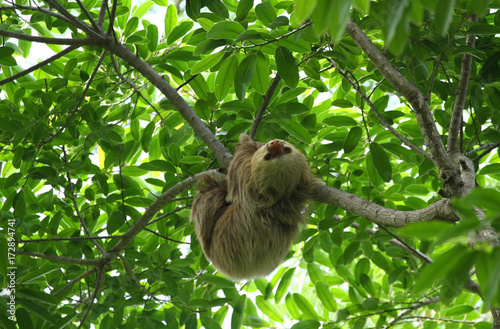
pixel 104 158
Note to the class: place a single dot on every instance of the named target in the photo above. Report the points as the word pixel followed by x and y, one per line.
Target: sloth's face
pixel 275 149
pixel 277 168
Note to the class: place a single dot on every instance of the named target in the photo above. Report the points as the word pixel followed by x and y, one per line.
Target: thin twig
pixel 488 150
pixel 74 281
pixel 101 275
pixel 74 238
pixel 60 259
pixel 284 36
pixel 75 205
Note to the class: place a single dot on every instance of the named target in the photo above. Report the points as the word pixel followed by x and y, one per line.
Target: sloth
pixel 246 223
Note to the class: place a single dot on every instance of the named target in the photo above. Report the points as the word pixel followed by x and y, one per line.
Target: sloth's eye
pixel 267 156
pixel 288 150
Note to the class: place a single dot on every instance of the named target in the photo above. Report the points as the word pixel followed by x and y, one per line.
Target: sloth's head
pixel 277 169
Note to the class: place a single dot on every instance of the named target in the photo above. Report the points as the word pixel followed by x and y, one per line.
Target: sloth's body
pixel 246 223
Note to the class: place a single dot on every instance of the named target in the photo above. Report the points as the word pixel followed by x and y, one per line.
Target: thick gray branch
pixel 448 172
pixel 151 211
pixel 381 215
pixel 173 96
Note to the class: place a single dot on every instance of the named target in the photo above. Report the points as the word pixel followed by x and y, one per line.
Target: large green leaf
pixel 287 67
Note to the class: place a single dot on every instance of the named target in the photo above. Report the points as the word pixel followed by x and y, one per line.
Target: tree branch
pixel 264 105
pixel 458 108
pixel 200 128
pixel 490 148
pixel 76 22
pixel 89 16
pixel 60 259
pixel 74 281
pixel 150 212
pixel 379 116
pixel 53 41
pixel 36 9
pixel 447 171
pixel 39 65
pixel 381 215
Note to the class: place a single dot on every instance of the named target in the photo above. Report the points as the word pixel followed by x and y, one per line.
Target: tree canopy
pixel 111 111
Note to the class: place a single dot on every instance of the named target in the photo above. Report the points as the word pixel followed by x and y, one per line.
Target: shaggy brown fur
pixel 246 223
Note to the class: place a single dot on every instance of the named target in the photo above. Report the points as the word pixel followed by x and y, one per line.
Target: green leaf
pixel 36 308
pixel 206 63
pixel 306 324
pixel 284 285
pixel 296 130
pixel 152 35
pixel 23 319
pixel 488 272
pixel 265 13
pixel 315 273
pixel 396 30
pixel 131 27
pixel 205 23
pixel 225 77
pixel 381 161
pixel 115 221
pixel 260 78
pixel 70 66
pixel 303 8
pixel 244 7
pixel 425 230
pixel 339 20
pixel 321 16
pixel 305 306
pixel 174 153
pixel 326 297
pixel 244 74
pixel 484 29
pixel 142 9
pixel 443 15
pixel 170 19
pixel 225 30
pixel 37 296
pixel 179 31
pixel 340 121
pixel 492 169
pixel 147 135
pixel 287 67
pixel 352 139
pixel 193 159
pixel 363 6
pixel 255 322
pixel 12 180
pixel 438 269
pixel 268 309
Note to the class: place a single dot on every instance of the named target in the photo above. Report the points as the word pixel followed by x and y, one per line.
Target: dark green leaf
pixel 352 139
pixel 244 7
pixel 381 161
pixel 287 67
pixel 225 30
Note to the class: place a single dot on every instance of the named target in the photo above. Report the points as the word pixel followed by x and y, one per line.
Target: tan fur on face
pixel 246 223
